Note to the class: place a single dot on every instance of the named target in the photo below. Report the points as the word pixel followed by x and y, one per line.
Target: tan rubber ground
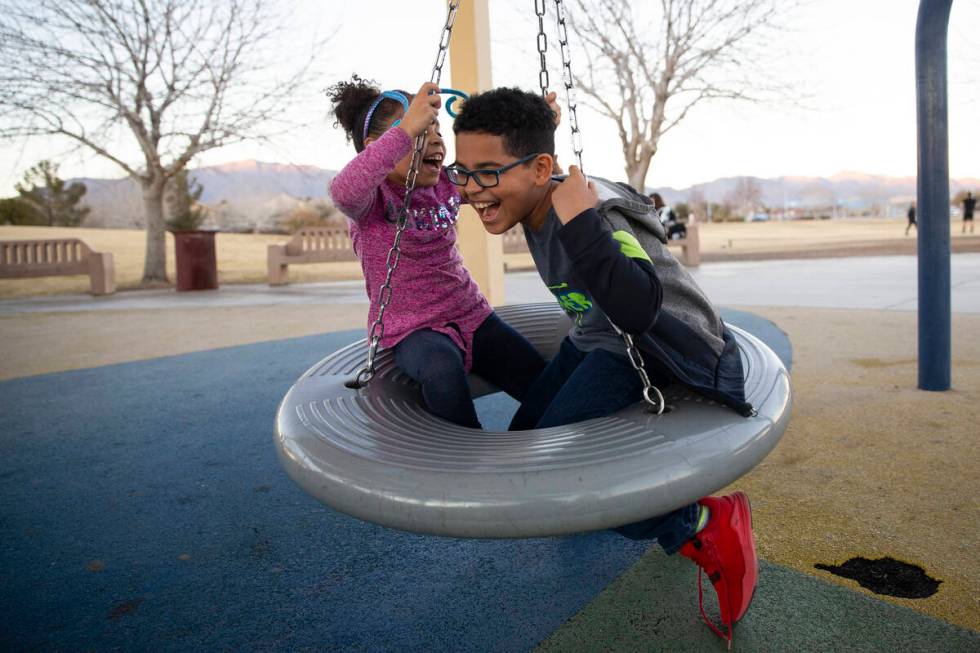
pixel 870 466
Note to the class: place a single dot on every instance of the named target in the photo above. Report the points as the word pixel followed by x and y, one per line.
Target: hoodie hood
pixel 627 202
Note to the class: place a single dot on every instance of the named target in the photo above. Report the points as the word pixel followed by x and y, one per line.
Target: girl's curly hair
pixel 351 102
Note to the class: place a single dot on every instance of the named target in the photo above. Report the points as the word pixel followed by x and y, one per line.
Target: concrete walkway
pixel 885 282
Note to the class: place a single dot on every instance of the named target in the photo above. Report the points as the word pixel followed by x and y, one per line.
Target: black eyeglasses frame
pixel 461 176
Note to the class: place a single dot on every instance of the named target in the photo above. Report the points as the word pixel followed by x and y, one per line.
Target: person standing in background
pixel 969 203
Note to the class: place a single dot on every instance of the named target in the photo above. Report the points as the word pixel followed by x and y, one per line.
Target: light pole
pixel 935 319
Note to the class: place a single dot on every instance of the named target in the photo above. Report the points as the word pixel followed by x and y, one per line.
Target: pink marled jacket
pixel 430 288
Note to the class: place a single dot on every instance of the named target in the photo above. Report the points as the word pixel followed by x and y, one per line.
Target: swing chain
pixel 447 35
pixel 570 96
pixel 657 405
pixel 366 373
pixel 543 77
pixel 651 394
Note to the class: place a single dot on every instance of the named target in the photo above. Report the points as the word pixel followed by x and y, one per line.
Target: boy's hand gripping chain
pixel 394 254
pixel 657 404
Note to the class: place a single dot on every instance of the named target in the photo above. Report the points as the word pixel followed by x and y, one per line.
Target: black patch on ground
pixel 887 576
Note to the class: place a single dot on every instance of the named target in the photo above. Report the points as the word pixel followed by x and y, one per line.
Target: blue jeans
pixel 577 386
pixel 501 355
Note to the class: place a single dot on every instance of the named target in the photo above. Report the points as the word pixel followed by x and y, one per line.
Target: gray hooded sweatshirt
pixel 612 263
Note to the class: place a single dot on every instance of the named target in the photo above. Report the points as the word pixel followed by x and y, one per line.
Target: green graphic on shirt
pixel 571 301
pixel 629 245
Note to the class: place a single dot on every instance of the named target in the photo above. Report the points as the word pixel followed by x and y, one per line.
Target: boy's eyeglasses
pixel 484 178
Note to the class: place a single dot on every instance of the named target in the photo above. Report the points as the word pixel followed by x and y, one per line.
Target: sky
pixel 852 62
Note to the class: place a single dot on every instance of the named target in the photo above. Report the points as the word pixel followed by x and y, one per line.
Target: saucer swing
pixel 367 447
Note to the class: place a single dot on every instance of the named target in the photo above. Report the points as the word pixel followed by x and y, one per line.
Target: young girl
pixel 437 320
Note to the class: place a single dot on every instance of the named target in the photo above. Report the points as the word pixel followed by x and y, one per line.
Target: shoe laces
pixel 704 615
pixel 706 555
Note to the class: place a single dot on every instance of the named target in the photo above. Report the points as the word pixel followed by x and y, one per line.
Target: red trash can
pixel 197 264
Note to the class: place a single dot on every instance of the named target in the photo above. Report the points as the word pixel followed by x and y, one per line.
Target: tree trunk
pixel 155 266
pixel 636 172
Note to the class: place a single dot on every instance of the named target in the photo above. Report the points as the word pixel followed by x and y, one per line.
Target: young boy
pixel 601 250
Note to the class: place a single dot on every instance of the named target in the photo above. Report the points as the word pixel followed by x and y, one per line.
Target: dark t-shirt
pixel 591 329
pixel 968 205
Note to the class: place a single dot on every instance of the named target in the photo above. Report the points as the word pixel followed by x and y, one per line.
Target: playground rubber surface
pixel 144 508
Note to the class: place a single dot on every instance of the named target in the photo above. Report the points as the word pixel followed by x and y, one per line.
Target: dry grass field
pixel 242 257
pixel 761 237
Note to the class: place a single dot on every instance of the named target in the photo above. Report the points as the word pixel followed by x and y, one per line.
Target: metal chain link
pixel 447 35
pixel 571 98
pixel 377 331
pixel 636 360
pixel 657 404
pixel 543 77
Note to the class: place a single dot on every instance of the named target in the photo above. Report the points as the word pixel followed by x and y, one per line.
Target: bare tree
pixel 698 204
pixel 747 195
pixel 178 76
pixel 647 75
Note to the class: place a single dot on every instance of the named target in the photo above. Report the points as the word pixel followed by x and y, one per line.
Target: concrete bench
pixel 514 243
pixel 309 245
pixel 690 247
pixel 22 259
pixel 330 245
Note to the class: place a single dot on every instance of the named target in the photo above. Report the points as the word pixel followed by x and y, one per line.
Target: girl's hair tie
pixel 398 96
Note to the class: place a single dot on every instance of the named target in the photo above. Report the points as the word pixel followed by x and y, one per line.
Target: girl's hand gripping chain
pixel 575 195
pixel 423 111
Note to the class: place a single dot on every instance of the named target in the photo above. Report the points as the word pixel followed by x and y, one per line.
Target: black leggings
pixel 501 355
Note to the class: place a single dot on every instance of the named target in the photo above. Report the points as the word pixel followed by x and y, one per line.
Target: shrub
pixel 15 211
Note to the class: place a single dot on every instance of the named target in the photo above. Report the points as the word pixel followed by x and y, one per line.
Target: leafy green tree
pixel 723 213
pixel 683 211
pixel 181 199
pixel 52 197
pixel 15 211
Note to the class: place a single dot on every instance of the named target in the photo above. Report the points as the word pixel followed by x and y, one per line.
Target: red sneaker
pixel 725 550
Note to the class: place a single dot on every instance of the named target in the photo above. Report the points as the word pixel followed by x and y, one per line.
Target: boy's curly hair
pixel 351 102
pixel 522 118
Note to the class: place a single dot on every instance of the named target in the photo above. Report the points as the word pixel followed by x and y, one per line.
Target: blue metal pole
pixel 935 319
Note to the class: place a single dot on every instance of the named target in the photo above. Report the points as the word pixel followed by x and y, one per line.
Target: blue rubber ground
pixel 144 509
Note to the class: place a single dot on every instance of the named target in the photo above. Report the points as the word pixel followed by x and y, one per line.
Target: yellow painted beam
pixel 469 57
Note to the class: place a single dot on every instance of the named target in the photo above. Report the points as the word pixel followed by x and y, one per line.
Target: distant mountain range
pixel 851 190
pixel 242 196
pixel 254 195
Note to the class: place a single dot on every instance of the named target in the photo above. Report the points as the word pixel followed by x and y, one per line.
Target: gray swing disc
pixel 376 454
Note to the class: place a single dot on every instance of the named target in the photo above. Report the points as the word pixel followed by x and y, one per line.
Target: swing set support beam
pixel 469 60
